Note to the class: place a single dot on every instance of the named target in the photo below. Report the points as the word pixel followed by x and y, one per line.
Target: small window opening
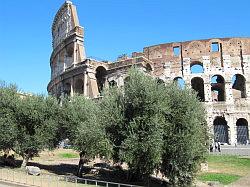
pixel 180 82
pixel 176 51
pixel 215 47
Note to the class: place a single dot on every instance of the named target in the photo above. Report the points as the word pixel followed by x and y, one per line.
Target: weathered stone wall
pixel 225 58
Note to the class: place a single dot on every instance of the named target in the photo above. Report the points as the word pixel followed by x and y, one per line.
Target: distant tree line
pixel 149 125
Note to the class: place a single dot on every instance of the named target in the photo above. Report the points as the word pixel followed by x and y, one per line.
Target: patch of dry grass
pixel 225 168
pixel 229 164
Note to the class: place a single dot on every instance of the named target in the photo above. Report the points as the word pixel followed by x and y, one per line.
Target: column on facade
pixel 228 78
pixel 186 72
pixel 228 89
pixel 186 66
pixel 85 83
pixel 246 63
pixel 167 71
pixel 207 89
pixel 74 54
pixel 231 123
pixel 206 64
pixel 71 86
pixel 207 85
pixel 65 61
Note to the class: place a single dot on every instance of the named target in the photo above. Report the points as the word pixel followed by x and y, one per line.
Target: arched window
pixel 242 131
pixel 148 68
pixel 160 81
pixel 196 67
pixel 239 86
pixel 100 75
pixel 218 88
pixel 125 80
pixel 180 82
pixel 198 85
pixel 220 130
pixel 112 83
pixel 79 86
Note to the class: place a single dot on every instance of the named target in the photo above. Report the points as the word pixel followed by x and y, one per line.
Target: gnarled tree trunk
pixel 25 161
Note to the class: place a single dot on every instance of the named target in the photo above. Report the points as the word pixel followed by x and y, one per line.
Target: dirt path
pixel 242 182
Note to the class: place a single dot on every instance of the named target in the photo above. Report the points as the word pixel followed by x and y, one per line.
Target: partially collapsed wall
pixel 218 69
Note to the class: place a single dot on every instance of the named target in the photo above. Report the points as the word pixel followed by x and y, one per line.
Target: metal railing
pixel 47 180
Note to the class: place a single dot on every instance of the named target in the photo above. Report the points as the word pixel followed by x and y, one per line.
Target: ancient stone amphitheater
pixel 218 69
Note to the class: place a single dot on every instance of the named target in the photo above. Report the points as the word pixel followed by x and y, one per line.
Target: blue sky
pixel 112 27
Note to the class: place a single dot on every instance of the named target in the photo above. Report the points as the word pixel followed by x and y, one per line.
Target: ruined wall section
pixel 198 50
pixel 224 58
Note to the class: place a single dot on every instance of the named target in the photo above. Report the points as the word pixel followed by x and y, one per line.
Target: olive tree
pixel 156 126
pixel 8 123
pixel 37 125
pixel 185 136
pixel 84 130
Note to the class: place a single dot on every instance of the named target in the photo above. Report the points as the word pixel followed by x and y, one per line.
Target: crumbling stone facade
pixel 218 69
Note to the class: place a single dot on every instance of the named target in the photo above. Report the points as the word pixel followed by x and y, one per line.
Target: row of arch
pixel 221 130
pixel 78 87
pixel 197 83
pixel 217 86
pixel 101 77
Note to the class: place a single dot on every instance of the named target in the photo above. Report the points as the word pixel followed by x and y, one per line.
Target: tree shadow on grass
pixel 111 175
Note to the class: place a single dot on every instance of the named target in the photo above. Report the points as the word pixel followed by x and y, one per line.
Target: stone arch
pixel 126 79
pixel 112 83
pixel 239 86
pixel 79 86
pixel 67 89
pixel 180 82
pixel 197 84
pixel 160 81
pixel 218 88
pixel 100 75
pixel 242 131
pixel 148 68
pixel 220 130
pixel 196 67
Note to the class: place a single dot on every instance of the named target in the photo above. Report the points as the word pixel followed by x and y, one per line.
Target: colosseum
pixel 218 69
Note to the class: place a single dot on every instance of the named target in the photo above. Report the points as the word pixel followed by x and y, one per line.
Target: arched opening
pixel 239 86
pixel 198 85
pixel 242 131
pixel 218 88
pixel 67 89
pixel 125 80
pixel 79 86
pixel 160 81
pixel 220 130
pixel 196 67
pixel 100 75
pixel 180 82
pixel 148 68
pixel 112 83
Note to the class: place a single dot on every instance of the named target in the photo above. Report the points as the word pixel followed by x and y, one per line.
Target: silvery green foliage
pixel 8 123
pixel 37 125
pixel 155 127
pixel 185 136
pixel 28 123
pixel 83 127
